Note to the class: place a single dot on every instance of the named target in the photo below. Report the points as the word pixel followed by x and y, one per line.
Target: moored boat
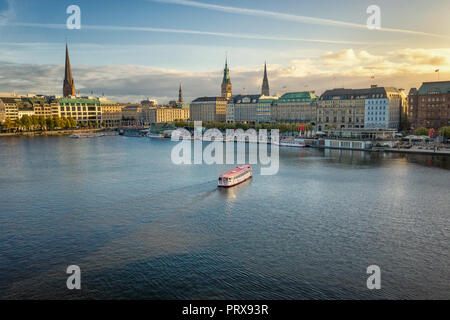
pixel 235 176
pixel 296 143
pixel 155 135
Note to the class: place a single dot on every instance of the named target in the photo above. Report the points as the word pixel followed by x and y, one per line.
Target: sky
pixel 132 49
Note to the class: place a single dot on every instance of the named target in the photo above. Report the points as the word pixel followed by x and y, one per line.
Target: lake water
pixel 139 226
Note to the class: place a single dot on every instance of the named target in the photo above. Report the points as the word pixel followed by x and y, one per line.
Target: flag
pixel 431 133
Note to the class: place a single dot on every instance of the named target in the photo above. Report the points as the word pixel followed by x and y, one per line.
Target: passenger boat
pixel 296 143
pixel 235 176
pixel 155 135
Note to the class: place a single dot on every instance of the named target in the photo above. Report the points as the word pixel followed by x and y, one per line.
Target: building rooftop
pixel 210 99
pixel 298 96
pixel 78 100
pixel 366 93
pixel 245 98
pixel 439 87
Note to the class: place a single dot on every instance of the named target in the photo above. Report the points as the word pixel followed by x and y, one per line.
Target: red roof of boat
pixel 235 171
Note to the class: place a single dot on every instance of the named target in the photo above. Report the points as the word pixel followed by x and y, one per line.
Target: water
pixel 140 227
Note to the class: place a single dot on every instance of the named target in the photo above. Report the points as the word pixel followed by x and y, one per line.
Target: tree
pixel 50 124
pixel 35 121
pixel 422 131
pixel 72 122
pixel 9 124
pixel 445 132
pixel 42 123
pixel 57 123
pixel 17 124
pixel 26 122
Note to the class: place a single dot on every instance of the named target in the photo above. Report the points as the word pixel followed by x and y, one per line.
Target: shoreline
pixel 403 151
pixel 64 132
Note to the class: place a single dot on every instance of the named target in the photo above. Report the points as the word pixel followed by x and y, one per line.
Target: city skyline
pixel 150 54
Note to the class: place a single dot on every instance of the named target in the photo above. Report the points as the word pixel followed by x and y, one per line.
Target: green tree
pixel 9 124
pixel 422 131
pixel 35 121
pixel 26 122
pixel 18 124
pixel 445 132
pixel 41 122
pixel 57 123
pixel 49 123
pixel 72 122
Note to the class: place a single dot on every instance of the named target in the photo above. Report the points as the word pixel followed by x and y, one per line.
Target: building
pixel 25 111
pixel 208 109
pixel 429 106
pixel 383 108
pixel 226 88
pixel 134 112
pixel 68 85
pixel 149 102
pixel 265 84
pixel 294 107
pixel 45 106
pixel 346 108
pixel 2 111
pixel 264 108
pixel 158 115
pixel 11 106
pixel 82 109
pixel 242 108
pixel 111 112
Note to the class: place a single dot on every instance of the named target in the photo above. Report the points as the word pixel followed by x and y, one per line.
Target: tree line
pixel 44 123
pixel 281 126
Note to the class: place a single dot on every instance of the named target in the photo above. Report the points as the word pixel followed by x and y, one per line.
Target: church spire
pixel 226 82
pixel 69 85
pixel 180 95
pixel 265 85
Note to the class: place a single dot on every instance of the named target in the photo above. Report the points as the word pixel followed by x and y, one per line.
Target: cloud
pixel 291 17
pixel 349 57
pixel 423 57
pixel 132 83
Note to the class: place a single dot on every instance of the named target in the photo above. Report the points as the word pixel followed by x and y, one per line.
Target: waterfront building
pixel 44 105
pixel 165 114
pixel 2 111
pixel 346 108
pixel 11 105
pixel 242 108
pixel 111 112
pixel 264 108
pixel 134 112
pixel 208 109
pixel 68 84
pixel 82 109
pixel 25 111
pixel 383 108
pixel 293 107
pixel 429 106
pixel 265 84
pixel 226 88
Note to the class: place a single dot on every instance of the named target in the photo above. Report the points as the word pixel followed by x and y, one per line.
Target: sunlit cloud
pixel 131 83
